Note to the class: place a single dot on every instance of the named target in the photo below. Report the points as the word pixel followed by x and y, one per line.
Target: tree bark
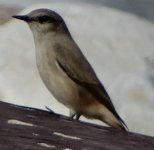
pixel 24 128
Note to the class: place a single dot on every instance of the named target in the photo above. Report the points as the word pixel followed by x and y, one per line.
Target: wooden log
pixel 24 128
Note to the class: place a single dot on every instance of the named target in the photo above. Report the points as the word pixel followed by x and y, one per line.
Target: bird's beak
pixel 23 17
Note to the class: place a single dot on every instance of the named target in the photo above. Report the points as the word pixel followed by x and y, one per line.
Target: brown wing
pixel 75 65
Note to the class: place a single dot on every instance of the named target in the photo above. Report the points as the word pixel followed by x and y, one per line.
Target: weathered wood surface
pixel 23 128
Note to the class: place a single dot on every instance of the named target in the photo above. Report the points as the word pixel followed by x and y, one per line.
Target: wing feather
pixel 75 65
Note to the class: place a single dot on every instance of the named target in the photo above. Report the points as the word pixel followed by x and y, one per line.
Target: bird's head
pixel 42 20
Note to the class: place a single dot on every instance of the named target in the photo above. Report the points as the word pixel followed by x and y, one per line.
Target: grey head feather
pixel 46 15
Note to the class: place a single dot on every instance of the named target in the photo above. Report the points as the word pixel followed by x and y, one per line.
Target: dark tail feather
pixel 122 125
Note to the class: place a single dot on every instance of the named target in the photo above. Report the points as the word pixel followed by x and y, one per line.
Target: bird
pixel 65 70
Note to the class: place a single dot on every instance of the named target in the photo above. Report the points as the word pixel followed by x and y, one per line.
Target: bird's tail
pixel 113 120
pixel 122 125
pixel 119 123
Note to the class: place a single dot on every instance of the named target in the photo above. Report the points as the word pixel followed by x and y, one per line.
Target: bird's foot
pixel 75 116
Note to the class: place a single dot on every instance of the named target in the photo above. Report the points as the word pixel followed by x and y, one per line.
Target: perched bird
pixel 66 72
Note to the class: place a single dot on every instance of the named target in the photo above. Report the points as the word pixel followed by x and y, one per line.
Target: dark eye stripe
pixel 43 19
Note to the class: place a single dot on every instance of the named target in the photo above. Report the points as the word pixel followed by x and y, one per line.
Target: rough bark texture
pixel 23 128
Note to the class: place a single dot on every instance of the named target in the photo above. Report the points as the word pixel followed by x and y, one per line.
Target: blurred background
pixel 116 36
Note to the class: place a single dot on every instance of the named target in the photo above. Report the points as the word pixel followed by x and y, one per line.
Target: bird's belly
pixel 59 84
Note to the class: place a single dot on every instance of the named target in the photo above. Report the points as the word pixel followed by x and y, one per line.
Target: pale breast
pixel 58 83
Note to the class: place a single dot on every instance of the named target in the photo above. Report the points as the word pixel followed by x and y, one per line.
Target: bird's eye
pixel 43 19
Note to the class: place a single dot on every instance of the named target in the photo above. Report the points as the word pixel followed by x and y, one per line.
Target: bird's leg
pixel 73 115
pixel 77 117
